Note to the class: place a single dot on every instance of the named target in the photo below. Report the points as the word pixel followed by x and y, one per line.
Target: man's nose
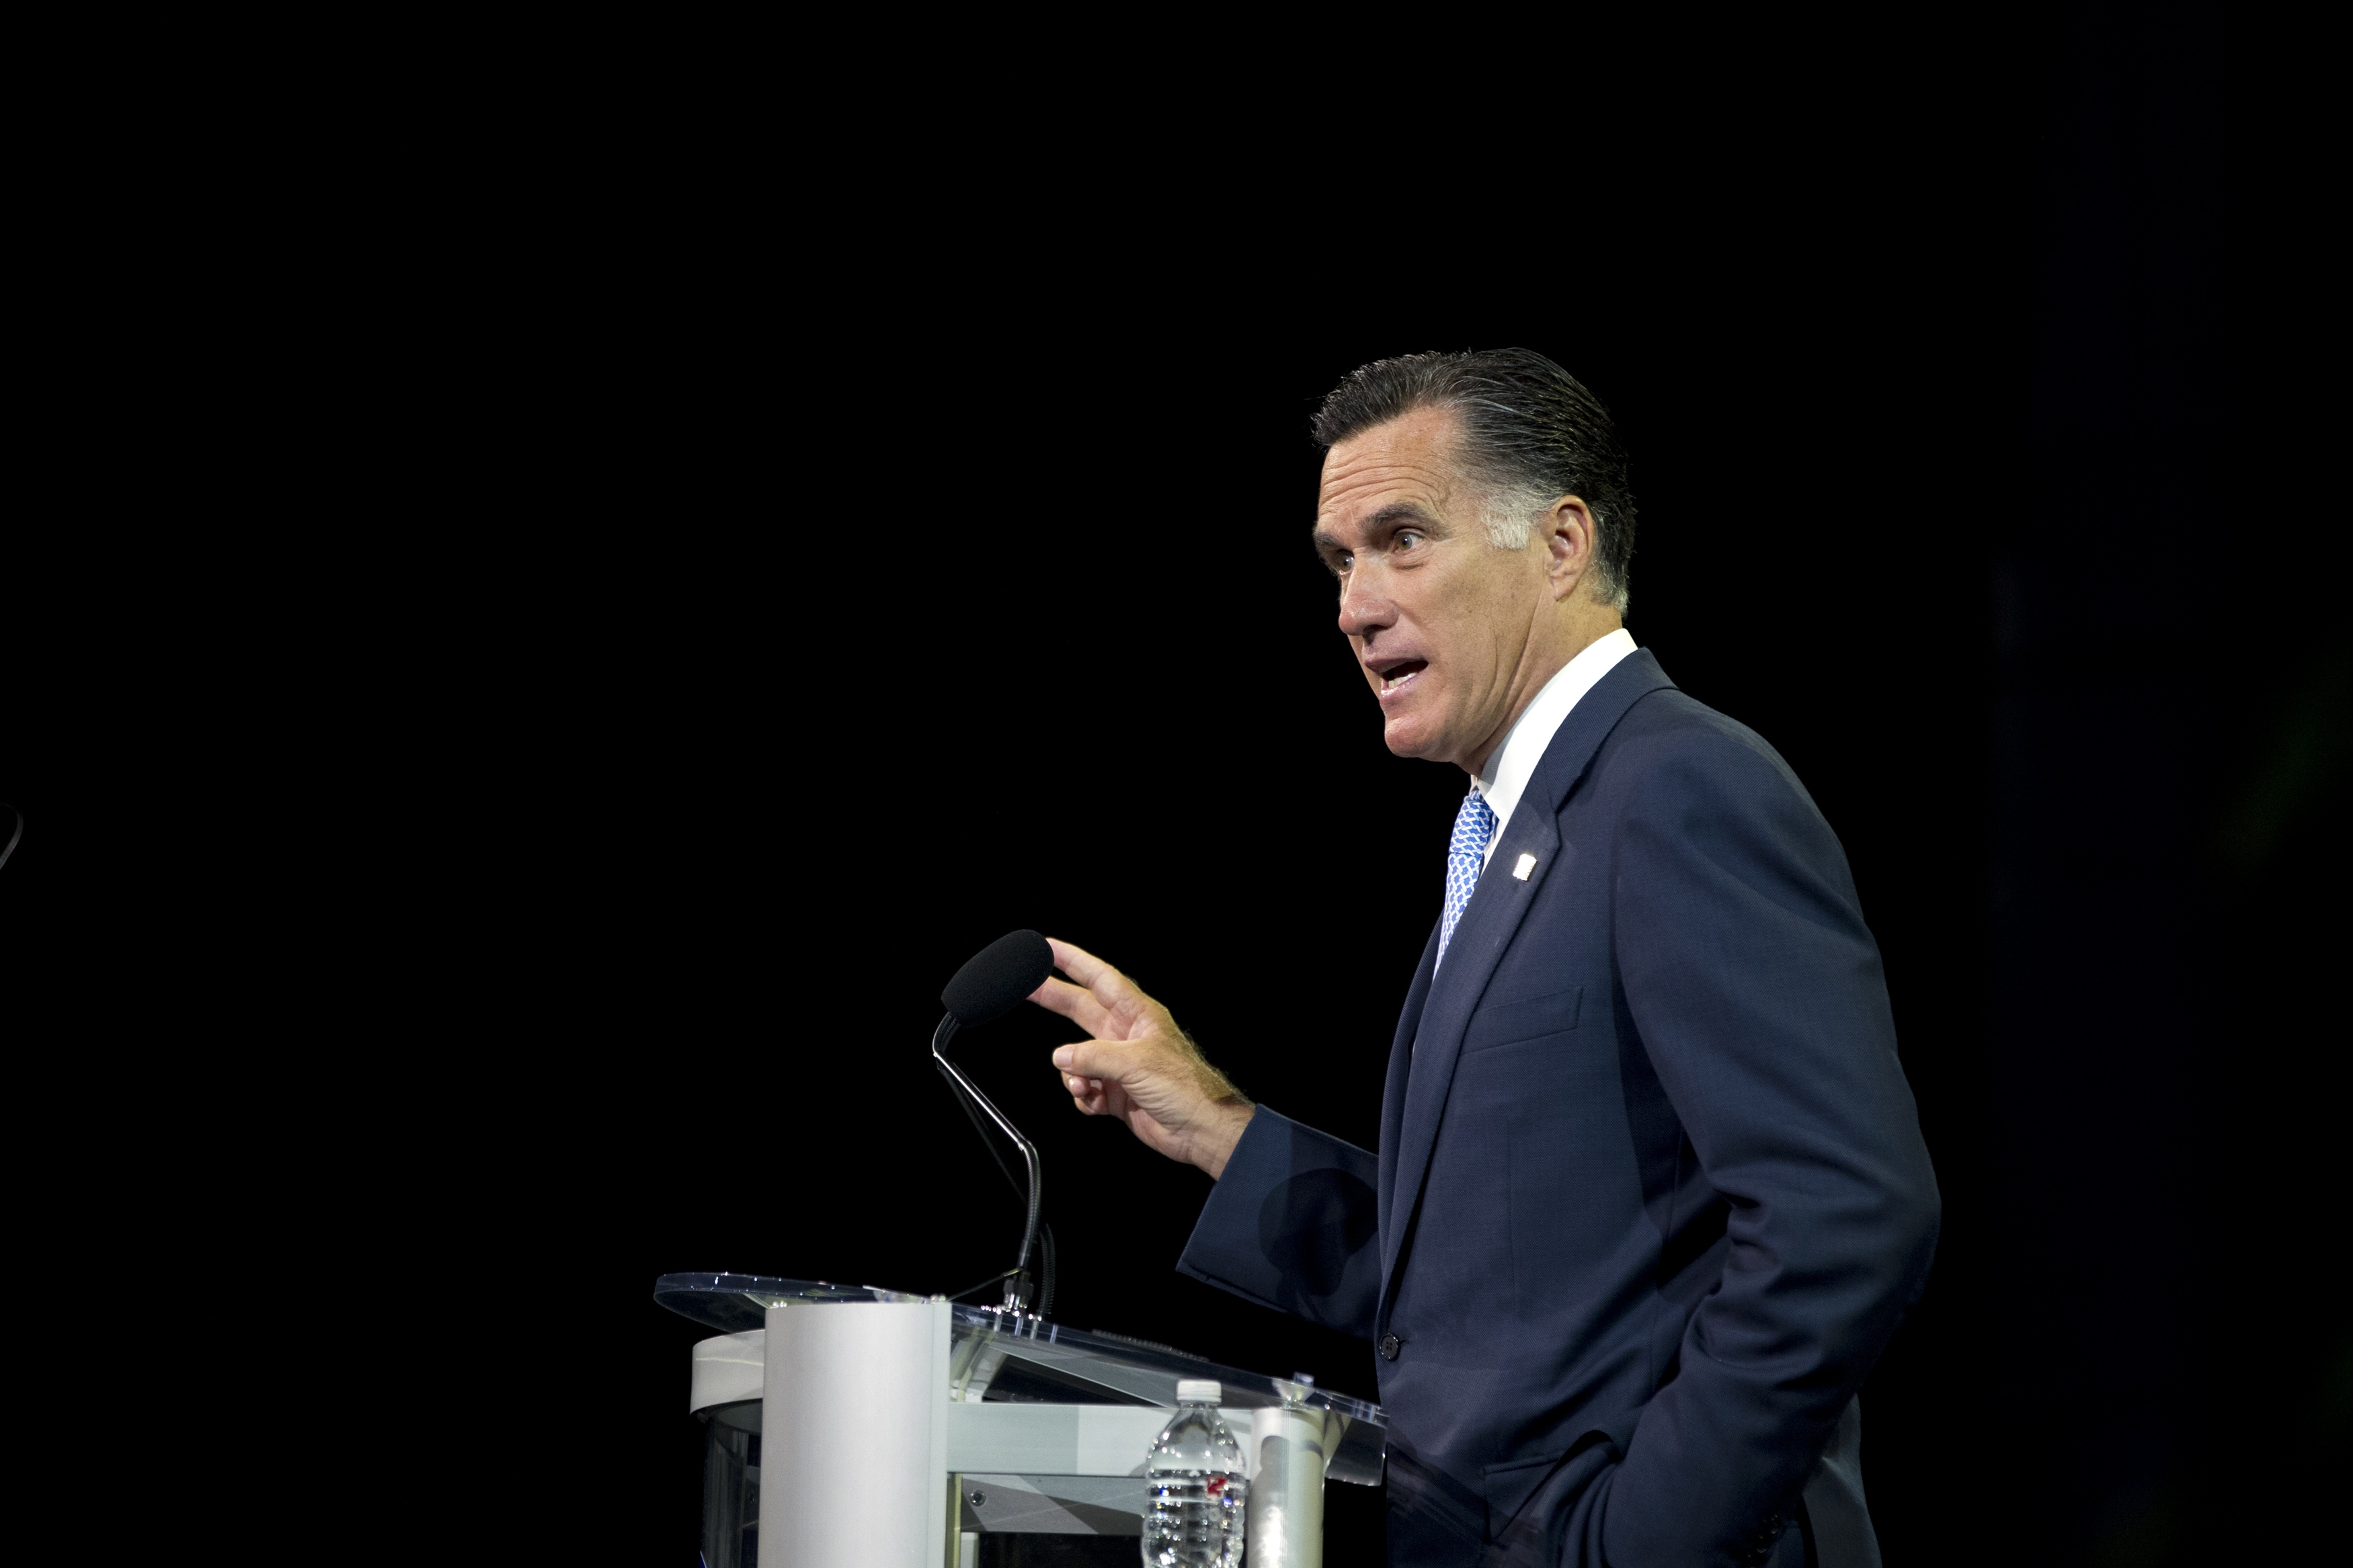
pixel 1362 607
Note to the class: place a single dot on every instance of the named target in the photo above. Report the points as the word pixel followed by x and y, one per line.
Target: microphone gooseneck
pixel 993 983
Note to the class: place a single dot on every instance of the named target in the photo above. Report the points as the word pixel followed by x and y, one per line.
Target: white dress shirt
pixel 1514 762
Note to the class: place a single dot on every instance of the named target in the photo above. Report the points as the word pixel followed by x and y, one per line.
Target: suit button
pixel 1388 1347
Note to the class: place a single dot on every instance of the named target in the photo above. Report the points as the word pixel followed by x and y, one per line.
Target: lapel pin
pixel 1527 864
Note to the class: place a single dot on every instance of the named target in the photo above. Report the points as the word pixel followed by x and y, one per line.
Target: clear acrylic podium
pixel 856 1428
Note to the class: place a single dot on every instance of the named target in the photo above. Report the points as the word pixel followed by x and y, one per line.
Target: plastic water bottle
pixel 1197 1493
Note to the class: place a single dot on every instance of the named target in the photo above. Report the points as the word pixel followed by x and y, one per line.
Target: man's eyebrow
pixel 1390 516
pixel 1398 511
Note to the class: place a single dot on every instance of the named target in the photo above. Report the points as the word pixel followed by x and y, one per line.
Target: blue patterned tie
pixel 1466 852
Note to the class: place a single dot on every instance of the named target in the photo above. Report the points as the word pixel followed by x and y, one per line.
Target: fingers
pixel 1074 1003
pixel 1108 1061
pixel 1077 962
pixel 1109 985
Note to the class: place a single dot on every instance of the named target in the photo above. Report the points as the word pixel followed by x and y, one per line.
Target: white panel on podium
pixel 1059 1439
pixel 855 1429
pixel 728 1369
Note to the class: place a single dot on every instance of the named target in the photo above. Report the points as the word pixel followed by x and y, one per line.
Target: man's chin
pixel 1405 738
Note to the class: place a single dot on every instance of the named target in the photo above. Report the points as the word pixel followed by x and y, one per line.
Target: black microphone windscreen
pixel 995 979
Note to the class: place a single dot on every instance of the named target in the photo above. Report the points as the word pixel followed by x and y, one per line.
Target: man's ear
pixel 1569 535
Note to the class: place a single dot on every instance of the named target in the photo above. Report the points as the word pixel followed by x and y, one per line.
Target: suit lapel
pixel 1438 1009
pixel 1400 1069
pixel 1486 928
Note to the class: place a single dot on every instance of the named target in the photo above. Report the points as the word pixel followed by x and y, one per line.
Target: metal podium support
pixel 1286 1499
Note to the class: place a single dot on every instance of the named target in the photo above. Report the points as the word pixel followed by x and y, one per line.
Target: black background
pixel 734 629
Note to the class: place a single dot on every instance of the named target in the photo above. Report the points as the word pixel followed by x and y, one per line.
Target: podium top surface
pixel 1041 1362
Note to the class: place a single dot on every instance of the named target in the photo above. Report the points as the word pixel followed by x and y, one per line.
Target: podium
pixel 857 1427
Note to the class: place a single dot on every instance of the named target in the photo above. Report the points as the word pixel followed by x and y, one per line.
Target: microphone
pixel 993 982
pixel 999 978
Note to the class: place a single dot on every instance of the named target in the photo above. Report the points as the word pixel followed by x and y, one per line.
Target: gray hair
pixel 1531 434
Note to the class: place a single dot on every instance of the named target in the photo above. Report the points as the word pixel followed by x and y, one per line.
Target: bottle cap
pixel 1199 1391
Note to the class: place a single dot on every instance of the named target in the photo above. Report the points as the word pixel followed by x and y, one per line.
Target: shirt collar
pixel 1514 762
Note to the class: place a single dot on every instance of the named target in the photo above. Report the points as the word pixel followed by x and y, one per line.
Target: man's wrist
pixel 1233 1119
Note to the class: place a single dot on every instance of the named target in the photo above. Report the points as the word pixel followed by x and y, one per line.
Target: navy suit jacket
pixel 1650 1194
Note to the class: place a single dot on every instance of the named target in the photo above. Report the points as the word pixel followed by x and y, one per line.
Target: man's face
pixel 1442 623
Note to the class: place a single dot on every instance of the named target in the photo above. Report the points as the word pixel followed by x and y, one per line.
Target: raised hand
pixel 1140 1067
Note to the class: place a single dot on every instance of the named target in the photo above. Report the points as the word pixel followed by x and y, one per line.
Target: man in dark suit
pixel 1650 1196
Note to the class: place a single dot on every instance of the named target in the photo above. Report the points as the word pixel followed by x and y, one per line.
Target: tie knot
pixel 1474 824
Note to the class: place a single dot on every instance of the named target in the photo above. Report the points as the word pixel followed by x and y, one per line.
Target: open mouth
pixel 1396 678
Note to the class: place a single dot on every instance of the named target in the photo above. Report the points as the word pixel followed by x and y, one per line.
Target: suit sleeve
pixel 1757 993
pixel 1292 1224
